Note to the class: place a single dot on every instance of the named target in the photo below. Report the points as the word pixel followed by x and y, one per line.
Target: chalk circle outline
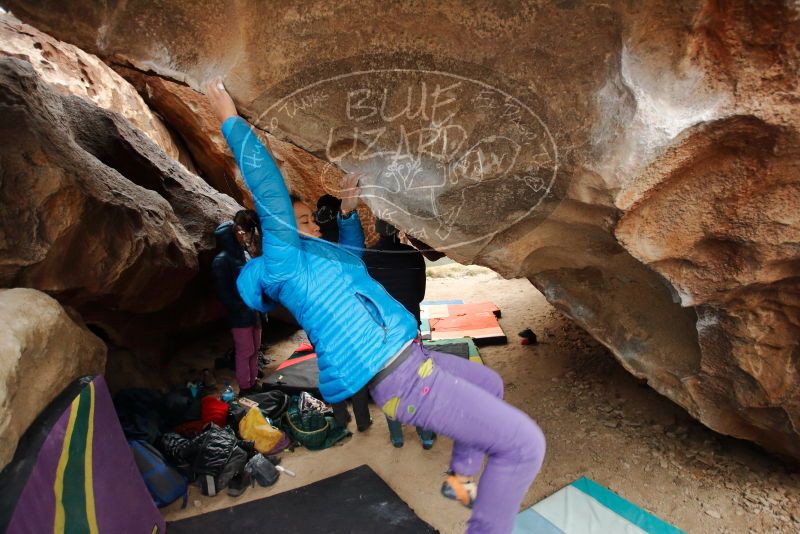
pixel 507 95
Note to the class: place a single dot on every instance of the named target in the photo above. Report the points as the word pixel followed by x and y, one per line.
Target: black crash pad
pixel 355 501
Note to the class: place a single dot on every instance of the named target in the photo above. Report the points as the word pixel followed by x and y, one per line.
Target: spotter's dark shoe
pixel 363 428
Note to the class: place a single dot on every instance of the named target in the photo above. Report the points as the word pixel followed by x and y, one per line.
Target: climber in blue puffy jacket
pixel 364 337
pixel 352 322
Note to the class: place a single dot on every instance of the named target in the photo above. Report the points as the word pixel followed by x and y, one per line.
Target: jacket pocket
pixel 373 311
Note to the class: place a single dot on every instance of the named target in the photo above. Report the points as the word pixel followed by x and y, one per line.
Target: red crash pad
pixel 481 327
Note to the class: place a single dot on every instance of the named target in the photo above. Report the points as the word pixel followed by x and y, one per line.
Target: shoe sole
pixel 464 500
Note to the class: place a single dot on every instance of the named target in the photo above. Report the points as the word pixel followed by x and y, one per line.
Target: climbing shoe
pixel 427 437
pixel 464 492
pixel 395 432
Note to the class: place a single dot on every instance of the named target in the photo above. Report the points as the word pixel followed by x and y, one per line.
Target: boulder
pixel 188 113
pixel 95 213
pixel 724 229
pixel 71 71
pixel 636 161
pixel 43 348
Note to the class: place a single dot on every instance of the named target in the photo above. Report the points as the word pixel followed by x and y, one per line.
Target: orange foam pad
pixel 479 307
pixel 478 333
pixel 472 322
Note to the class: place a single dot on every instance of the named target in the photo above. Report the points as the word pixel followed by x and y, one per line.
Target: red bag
pixel 213 410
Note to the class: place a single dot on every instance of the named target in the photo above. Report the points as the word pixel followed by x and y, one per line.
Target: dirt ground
pixel 599 421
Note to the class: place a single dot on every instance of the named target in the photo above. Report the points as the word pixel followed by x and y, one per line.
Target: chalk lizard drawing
pixel 438 136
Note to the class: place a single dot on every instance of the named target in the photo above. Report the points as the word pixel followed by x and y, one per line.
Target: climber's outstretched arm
pixel 281 241
pixel 351 235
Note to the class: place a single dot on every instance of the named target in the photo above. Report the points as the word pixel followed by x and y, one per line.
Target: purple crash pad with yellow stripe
pixel 73 471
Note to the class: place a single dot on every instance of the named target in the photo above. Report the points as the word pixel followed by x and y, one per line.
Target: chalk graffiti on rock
pixel 296 105
pixel 434 146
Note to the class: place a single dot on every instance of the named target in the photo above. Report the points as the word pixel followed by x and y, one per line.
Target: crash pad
pixel 464 347
pixel 354 501
pixel 433 308
pixel 468 309
pixel 481 327
pixel 73 471
pixel 586 507
pixel 437 309
pixel 447 319
pixel 299 372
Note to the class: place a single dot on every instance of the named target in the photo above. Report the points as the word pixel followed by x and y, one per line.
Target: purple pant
pixel 246 342
pixel 464 401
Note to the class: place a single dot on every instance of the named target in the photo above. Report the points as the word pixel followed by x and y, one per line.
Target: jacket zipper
pixel 365 268
pixel 362 298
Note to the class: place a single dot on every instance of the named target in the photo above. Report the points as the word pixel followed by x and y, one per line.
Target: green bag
pixel 312 429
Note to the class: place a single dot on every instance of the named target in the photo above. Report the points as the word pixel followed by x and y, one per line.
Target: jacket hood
pixel 226 240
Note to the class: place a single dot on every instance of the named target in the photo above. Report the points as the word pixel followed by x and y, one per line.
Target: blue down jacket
pixel 353 323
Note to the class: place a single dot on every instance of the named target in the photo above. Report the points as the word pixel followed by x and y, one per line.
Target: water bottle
pixel 227 394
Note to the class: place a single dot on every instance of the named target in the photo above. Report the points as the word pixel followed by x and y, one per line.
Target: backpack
pixel 163 482
pixel 218 458
pixel 262 470
pixel 273 403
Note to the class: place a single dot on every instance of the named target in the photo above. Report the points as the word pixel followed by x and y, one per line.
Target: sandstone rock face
pixel 71 71
pixel 94 213
pixel 42 350
pixel 636 161
pixel 188 113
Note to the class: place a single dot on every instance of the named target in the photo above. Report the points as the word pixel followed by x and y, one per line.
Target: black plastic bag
pixel 214 448
pixel 177 449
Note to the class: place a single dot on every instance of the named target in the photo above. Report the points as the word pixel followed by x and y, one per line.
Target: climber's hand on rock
pixel 221 102
pixel 350 191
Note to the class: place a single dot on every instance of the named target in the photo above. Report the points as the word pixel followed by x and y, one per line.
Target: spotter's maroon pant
pixel 246 342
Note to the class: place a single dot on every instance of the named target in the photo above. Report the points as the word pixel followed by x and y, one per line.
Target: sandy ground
pixel 600 422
